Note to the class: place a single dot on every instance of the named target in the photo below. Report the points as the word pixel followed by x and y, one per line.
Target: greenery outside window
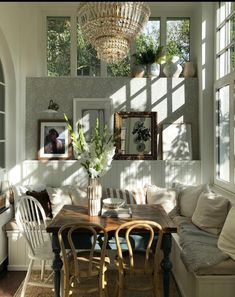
pixel 178 38
pixel 58 46
pixel 87 61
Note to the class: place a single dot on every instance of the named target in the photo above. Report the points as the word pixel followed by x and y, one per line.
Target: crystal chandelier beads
pixel 110 26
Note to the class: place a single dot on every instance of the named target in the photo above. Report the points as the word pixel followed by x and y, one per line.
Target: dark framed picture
pixel 54 142
pixel 135 135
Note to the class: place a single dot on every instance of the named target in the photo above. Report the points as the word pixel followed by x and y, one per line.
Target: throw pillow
pixel 226 241
pixel 127 195
pixel 188 198
pixel 166 197
pixel 58 198
pixel 211 212
pixel 43 198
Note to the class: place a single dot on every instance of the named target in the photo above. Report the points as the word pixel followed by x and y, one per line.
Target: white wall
pixel 21 24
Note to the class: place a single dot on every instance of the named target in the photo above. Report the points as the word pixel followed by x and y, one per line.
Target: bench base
pixel 192 285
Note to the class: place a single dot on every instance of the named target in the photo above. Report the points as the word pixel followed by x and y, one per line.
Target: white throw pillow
pixel 59 197
pixel 188 198
pixel 211 212
pixel 226 241
pixel 166 197
pixel 78 195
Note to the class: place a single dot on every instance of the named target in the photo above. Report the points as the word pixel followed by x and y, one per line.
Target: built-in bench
pixel 210 281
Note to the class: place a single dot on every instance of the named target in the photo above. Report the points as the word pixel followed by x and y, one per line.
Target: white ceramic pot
pixel 153 70
pixel 172 69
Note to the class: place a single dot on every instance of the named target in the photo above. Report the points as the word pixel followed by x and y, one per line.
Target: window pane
pixel 178 38
pixel 150 37
pixel 2 125
pixel 222 38
pixel 223 133
pixel 2 154
pixel 122 68
pixel 58 46
pixel 1 74
pixel 2 97
pixel 232 59
pixel 87 61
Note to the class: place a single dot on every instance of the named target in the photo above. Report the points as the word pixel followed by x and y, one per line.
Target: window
pixel 87 61
pixel 178 38
pixel 225 39
pixel 58 46
pixel 63 50
pixel 224 96
pixel 2 120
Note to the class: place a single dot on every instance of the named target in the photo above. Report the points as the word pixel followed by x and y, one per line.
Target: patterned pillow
pixel 131 197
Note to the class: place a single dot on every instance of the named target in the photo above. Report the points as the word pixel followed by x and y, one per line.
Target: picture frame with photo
pixel 87 110
pixel 53 140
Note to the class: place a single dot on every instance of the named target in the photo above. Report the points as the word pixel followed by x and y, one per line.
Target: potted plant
pixel 150 59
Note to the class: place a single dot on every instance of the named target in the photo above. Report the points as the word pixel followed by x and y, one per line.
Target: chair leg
pixel 27 278
pixel 42 269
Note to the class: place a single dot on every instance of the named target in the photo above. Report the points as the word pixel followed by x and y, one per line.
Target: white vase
pixel 189 70
pixel 153 70
pixel 172 68
pixel 94 195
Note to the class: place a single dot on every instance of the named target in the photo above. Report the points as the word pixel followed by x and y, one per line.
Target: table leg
pixel 57 264
pixel 166 264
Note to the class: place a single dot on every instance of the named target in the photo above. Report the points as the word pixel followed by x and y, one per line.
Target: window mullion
pixel 231 98
pixel 73 49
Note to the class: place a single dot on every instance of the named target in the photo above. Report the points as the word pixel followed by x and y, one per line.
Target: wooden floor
pixel 9 282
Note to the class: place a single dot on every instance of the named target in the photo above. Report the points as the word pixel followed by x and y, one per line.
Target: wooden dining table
pixel 70 214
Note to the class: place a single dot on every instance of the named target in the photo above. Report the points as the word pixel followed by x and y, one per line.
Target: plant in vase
pixel 96 156
pixel 151 58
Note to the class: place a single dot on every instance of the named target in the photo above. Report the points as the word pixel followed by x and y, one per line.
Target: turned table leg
pixel 57 264
pixel 166 264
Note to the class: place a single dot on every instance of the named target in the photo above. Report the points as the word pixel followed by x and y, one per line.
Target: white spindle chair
pixel 31 220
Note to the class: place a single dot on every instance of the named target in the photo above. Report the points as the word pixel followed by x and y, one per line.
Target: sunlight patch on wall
pixel 138 94
pixel 119 98
pixel 158 89
pixel 178 98
pixel 161 109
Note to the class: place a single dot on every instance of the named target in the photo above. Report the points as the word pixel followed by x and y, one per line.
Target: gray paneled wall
pixel 175 100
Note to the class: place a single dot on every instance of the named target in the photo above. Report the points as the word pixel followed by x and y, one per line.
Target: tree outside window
pixel 58 46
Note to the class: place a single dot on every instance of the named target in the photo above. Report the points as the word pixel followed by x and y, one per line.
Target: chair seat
pixel 42 251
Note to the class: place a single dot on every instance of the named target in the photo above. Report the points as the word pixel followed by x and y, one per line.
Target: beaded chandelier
pixel 110 26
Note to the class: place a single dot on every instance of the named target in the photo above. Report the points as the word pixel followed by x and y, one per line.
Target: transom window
pixel 61 44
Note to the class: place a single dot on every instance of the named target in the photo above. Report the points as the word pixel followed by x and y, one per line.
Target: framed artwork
pixel 53 140
pixel 176 141
pixel 87 110
pixel 135 135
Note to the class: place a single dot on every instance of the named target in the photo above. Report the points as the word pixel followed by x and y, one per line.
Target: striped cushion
pixel 131 197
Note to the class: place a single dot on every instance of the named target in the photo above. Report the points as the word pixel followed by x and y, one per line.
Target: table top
pixel 76 213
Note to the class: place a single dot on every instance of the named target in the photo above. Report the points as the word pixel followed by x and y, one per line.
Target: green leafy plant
pixel 96 156
pixel 150 56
